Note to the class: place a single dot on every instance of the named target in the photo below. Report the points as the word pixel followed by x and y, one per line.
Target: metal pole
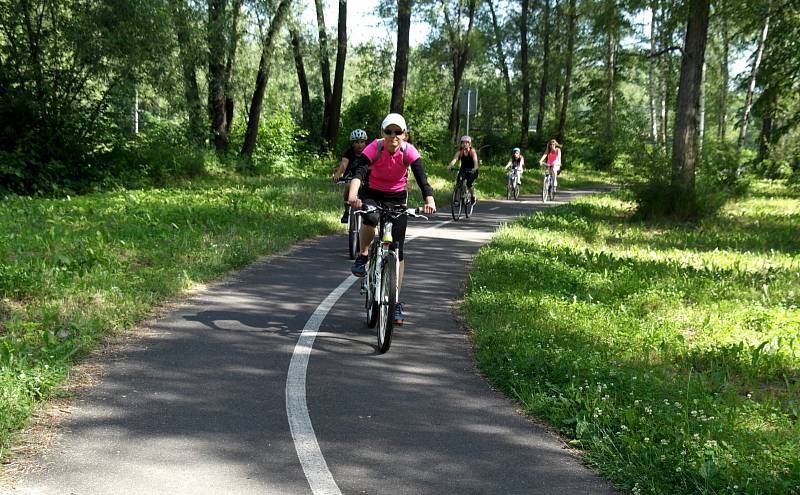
pixel 469 96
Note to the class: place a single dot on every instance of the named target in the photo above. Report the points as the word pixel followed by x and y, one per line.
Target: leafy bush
pixel 277 145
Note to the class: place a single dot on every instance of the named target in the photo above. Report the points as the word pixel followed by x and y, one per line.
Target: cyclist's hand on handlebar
pixel 355 203
pixel 335 177
pixel 430 206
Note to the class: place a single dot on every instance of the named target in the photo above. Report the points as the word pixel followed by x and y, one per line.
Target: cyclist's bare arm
pixel 340 169
pixel 453 161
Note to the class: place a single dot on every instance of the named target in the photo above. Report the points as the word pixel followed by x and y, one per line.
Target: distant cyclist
pixel 552 160
pixel 383 169
pixel 516 164
pixel 358 141
pixel 469 164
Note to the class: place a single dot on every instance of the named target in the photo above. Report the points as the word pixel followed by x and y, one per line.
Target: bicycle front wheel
pixel 388 301
pixel 516 191
pixel 373 282
pixel 457 205
pixel 354 226
pixel 545 192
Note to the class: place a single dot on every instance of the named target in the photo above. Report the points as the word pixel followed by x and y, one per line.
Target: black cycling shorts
pixel 469 175
pixel 387 200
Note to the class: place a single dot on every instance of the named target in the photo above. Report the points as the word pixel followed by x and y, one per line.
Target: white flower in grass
pixel 678 469
pixel 664 441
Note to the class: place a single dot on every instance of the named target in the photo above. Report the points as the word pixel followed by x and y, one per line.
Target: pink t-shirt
pixel 552 156
pixel 389 173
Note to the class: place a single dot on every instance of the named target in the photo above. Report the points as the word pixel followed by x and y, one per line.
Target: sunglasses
pixel 393 133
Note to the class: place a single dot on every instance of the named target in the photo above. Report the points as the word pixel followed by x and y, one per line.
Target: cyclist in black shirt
pixel 344 171
pixel 469 164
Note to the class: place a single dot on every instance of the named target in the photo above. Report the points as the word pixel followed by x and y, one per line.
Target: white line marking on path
pixel 492 209
pixel 318 475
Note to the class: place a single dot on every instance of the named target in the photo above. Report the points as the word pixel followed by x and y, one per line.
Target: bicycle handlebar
pixel 411 212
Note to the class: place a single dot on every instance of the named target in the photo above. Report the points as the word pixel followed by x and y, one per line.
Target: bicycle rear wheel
pixel 468 206
pixel 509 189
pixel 353 227
pixel 457 204
pixel 387 301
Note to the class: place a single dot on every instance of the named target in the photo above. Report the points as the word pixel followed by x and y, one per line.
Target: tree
pixel 751 88
pixel 545 69
pixel 562 120
pixel 233 42
pixel 194 106
pixel 458 45
pixel 524 71
pixel 305 100
pixel 216 73
pixel 254 115
pixel 401 60
pixel 338 80
pixel 498 40
pixel 686 143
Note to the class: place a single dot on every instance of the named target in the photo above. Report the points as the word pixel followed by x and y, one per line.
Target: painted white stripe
pixel 496 207
pixel 305 441
pixel 319 477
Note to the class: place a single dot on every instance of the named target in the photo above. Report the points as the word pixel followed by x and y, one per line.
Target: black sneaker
pixel 398 314
pixel 345 217
pixel 360 266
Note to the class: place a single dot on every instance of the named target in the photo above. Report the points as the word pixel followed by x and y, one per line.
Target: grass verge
pixel 670 353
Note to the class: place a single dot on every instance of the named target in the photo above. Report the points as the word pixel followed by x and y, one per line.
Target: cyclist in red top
pixel 553 158
pixel 383 168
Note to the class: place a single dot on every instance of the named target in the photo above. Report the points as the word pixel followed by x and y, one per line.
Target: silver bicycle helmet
pixel 358 135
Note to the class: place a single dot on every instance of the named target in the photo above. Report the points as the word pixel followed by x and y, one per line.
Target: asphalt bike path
pixel 270 383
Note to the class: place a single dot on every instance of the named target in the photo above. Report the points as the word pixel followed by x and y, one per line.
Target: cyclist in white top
pixel 516 164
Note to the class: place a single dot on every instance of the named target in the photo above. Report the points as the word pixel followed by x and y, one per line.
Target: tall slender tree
pixel 268 43
pixel 302 80
pixel 687 116
pixel 458 41
pixel 748 104
pixel 400 78
pixel 545 69
pixel 338 79
pixel 498 40
pixel 233 43
pixel 194 106
pixel 324 68
pixel 722 102
pixel 524 73
pixel 216 73
pixel 562 120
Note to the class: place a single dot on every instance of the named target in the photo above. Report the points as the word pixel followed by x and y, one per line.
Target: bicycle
pixel 353 227
pixel 461 201
pixel 380 285
pixel 513 184
pixel 548 189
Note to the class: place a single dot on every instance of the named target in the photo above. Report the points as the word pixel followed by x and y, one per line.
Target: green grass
pixel 670 353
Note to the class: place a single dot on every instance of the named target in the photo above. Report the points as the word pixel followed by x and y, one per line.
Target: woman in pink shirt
pixel 383 169
pixel 553 158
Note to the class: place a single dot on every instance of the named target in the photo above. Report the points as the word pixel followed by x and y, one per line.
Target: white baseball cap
pixel 396 119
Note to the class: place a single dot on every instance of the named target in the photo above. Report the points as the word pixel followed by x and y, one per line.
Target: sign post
pixel 468 104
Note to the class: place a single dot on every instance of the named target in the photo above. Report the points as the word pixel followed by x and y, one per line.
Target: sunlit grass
pixel 670 352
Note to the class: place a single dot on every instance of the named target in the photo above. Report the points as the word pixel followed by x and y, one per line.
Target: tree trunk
pixel 562 120
pixel 301 79
pixel 685 146
pixel 770 96
pixel 459 43
pixel 666 76
pixel 702 120
pixel 325 68
pixel 338 80
pixel 503 64
pixel 611 74
pixel 751 88
pixel 401 62
pixel 545 70
pixel 524 74
pixel 232 44
pixel 191 91
pixel 722 107
pixel 216 73
pixel 254 115
pixel 651 90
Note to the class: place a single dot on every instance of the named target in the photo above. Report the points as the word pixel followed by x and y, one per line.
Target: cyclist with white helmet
pixel 469 164
pixel 383 169
pixel 358 141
